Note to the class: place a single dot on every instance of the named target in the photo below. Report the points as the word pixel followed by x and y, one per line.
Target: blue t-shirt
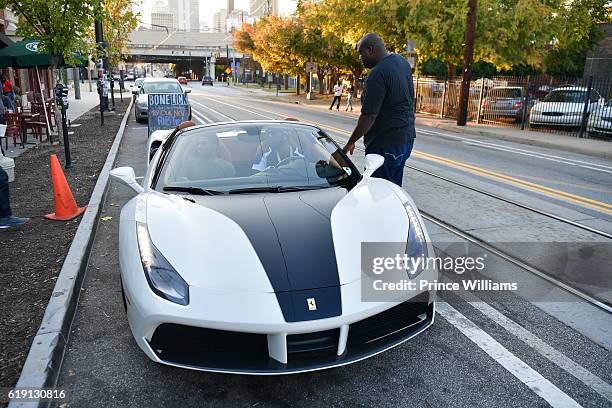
pixel 389 93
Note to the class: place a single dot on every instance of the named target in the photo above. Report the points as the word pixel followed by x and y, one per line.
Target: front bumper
pixel 600 126
pixel 141 112
pixel 558 120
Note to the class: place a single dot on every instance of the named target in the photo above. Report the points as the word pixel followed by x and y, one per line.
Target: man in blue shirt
pixel 387 108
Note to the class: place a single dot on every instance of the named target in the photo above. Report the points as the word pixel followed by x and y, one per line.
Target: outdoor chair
pixel 13 128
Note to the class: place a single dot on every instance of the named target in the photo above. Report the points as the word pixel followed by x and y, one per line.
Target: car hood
pixel 274 242
pixel 564 107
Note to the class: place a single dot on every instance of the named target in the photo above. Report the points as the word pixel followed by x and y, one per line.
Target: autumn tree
pixel 118 21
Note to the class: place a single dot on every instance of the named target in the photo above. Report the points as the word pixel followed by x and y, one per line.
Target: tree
pixel 60 26
pixel 118 22
pixel 579 31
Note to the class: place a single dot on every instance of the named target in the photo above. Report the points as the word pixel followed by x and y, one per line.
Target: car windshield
pixel 511 93
pixel 564 95
pixel 162 87
pixel 254 157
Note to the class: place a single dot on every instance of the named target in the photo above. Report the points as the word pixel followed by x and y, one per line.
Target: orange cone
pixel 65 206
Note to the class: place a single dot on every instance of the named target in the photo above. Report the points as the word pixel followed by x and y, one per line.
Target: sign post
pixel 310 68
pixel 167 111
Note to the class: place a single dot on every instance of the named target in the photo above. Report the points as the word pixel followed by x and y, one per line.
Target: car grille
pixel 220 350
pixel 388 322
pixel 552 113
pixel 194 345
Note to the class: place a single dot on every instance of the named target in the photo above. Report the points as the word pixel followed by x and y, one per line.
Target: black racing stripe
pixel 291 234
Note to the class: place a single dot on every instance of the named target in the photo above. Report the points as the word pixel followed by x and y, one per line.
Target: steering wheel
pixel 281 168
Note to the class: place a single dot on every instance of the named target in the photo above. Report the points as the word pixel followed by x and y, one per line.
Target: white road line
pixel 527 375
pixel 214 111
pixel 561 360
pixel 516 150
pixel 238 107
pixel 200 117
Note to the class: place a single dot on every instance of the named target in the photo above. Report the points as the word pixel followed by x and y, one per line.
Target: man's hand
pixel 349 148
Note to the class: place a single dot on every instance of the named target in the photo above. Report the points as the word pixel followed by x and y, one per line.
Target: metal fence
pixel 580 107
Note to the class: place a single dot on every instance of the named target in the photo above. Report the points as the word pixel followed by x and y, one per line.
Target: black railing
pixel 580 107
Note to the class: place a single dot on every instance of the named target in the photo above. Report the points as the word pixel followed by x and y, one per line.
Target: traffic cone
pixel 65 206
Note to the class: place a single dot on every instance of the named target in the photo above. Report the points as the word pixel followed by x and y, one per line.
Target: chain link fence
pixel 580 107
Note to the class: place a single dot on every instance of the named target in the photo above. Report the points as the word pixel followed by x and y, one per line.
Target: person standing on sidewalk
pixel 387 116
pixel 337 96
pixel 7 220
pixel 349 98
pixel 7 88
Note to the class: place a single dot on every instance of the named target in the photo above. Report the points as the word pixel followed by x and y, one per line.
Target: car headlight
pixel 416 247
pixel 162 278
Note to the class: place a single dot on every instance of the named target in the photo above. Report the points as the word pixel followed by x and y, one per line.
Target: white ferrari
pixel 242 251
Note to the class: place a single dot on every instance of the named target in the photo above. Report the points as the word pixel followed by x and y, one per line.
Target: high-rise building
pixel 186 14
pixel 230 6
pixel 161 20
pixel 261 8
pixel 219 21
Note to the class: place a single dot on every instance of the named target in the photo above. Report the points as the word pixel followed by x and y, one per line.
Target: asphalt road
pixel 488 352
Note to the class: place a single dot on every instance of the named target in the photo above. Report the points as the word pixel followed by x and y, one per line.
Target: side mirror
pixel 187 90
pixel 126 176
pixel 373 162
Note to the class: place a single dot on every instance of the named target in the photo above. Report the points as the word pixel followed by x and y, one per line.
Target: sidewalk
pixel 590 147
pixel 77 107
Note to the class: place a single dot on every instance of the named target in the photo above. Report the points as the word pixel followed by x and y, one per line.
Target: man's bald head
pixel 371 49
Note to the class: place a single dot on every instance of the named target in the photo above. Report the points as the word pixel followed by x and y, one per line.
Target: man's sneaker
pixel 11 222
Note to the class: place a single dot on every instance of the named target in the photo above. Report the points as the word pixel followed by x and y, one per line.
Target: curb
pixel 532 142
pixel 43 363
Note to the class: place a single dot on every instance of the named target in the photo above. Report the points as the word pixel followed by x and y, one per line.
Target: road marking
pixel 214 111
pixel 516 150
pixel 544 349
pixel 238 107
pixel 594 204
pixel 201 117
pixel 518 368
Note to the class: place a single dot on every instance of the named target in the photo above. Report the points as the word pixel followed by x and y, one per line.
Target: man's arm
pixel 364 124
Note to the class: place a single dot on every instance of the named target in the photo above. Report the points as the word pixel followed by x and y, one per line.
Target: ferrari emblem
pixel 312 304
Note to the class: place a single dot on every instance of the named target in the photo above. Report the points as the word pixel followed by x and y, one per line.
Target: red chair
pixel 13 128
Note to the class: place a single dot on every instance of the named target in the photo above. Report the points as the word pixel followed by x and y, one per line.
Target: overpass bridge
pixel 188 50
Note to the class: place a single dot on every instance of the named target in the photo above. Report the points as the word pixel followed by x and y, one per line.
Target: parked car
pixel 207 81
pixel 130 76
pixel 182 80
pixel 136 87
pixel 503 102
pixel 286 295
pixel 600 120
pixel 155 85
pixel 564 106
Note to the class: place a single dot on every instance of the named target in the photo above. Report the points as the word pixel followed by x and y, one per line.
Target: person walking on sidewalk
pixel 387 116
pixel 349 98
pixel 337 96
pixel 7 220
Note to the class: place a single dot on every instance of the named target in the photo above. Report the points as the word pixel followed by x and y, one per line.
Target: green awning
pixel 25 54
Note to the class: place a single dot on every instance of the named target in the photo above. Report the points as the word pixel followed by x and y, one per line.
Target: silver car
pixel 155 85
pixel 136 87
pixel 503 102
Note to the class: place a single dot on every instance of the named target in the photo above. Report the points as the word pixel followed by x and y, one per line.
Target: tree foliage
pixel 118 22
pixel 59 25
pixel 553 35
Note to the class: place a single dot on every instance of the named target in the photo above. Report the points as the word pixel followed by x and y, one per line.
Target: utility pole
pixel 464 95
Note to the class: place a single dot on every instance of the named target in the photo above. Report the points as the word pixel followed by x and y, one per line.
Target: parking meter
pixel 61 102
pixel 112 89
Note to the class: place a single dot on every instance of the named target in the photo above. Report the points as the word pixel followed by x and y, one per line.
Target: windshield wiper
pixel 193 190
pixel 273 189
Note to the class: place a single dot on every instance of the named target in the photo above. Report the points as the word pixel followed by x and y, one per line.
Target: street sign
pixel 228 70
pixel 167 111
pixel 311 66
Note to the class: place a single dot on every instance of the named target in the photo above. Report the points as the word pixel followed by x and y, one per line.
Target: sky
pixel 209 7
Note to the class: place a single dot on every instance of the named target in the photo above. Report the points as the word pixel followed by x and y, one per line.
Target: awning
pixel 25 54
